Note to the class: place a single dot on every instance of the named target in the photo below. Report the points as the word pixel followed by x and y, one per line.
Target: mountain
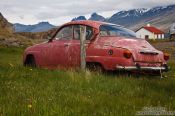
pixel 127 18
pixel 79 18
pixel 40 27
pixel 96 17
pixel 161 17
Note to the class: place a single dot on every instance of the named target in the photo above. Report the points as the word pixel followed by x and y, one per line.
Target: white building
pixel 150 32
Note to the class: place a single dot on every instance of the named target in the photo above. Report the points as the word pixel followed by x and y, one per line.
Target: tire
pixel 170 37
pixel 95 67
pixel 30 61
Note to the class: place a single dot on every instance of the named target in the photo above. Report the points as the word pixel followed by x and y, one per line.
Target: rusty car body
pixel 109 46
pixel 172 31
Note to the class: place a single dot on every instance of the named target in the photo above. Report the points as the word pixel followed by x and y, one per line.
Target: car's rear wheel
pixel 172 36
pixel 30 61
pixel 95 67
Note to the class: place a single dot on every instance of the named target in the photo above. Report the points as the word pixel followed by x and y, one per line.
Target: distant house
pixel 150 32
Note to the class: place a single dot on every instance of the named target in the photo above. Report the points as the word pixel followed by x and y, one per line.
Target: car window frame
pixel 86 28
pixel 54 37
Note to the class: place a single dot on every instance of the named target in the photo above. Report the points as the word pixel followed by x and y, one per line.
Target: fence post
pixel 82 47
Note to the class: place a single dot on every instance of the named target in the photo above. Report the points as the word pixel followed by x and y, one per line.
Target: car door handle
pixel 66 45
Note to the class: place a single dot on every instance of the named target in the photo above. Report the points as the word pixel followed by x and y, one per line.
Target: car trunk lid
pixel 141 50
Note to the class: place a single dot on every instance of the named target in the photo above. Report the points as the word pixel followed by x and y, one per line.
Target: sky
pixel 58 12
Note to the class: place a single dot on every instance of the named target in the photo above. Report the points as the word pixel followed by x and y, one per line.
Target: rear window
pixel 114 30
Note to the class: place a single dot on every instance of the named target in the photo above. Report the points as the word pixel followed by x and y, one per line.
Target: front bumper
pixel 139 68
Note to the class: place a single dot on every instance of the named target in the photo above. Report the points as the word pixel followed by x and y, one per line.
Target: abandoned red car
pixel 108 46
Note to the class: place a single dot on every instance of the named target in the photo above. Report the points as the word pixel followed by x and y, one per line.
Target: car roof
pixel 95 24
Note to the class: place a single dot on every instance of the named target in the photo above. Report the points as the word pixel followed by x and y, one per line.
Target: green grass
pixel 40 92
pixel 154 41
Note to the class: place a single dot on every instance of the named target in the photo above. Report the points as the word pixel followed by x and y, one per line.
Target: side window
pixel 65 33
pixel 89 32
pixel 77 32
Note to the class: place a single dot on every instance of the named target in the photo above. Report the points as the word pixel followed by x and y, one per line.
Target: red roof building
pixel 150 32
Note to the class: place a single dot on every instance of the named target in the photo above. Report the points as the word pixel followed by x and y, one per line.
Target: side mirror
pixel 49 38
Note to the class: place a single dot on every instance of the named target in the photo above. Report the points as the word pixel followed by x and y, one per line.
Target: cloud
pixel 59 11
pixel 21 16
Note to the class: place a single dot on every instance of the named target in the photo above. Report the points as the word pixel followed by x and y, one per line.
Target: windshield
pixel 114 30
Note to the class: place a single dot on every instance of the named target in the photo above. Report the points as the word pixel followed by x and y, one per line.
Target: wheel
pixel 172 36
pixel 95 67
pixel 30 61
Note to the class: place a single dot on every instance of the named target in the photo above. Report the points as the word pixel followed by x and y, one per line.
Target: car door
pixel 74 45
pixel 59 47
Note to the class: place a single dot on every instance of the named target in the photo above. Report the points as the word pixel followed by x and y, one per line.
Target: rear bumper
pixel 139 68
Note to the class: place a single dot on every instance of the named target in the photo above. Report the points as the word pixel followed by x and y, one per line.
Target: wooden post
pixel 82 47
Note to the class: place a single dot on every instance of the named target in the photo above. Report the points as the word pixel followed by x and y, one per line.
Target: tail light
pixel 166 56
pixel 127 54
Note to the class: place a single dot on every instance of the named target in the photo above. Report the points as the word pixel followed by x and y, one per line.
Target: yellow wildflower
pixel 11 64
pixel 30 106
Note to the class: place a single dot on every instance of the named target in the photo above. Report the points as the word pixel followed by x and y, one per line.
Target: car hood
pixel 36 47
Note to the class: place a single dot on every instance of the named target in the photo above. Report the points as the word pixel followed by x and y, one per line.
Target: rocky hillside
pixel 9 38
pixel 5 25
pixel 38 35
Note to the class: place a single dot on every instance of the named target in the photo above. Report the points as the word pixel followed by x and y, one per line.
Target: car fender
pixel 35 54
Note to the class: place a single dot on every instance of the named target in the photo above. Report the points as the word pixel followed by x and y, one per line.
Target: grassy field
pixel 39 92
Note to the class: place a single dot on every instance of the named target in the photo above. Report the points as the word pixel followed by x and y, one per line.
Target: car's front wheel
pixel 30 61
